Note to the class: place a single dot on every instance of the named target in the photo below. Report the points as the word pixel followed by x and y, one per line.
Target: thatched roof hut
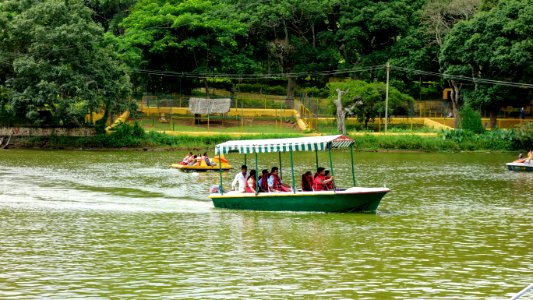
pixel 203 106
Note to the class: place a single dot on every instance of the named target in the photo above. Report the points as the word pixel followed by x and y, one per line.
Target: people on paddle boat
pixel 274 182
pixel 329 184
pixel 307 182
pixel 263 181
pixel 208 162
pixel 520 159
pixel 240 179
pixel 185 160
pixel 319 181
pixel 529 157
pixel 251 182
pixel 192 160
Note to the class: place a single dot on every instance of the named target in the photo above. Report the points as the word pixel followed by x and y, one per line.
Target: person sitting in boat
pixel 240 179
pixel 328 180
pixel 185 160
pixel 208 162
pixel 192 160
pixel 319 182
pixel 274 182
pixel 529 157
pixel 263 181
pixel 251 182
pixel 520 159
pixel 307 182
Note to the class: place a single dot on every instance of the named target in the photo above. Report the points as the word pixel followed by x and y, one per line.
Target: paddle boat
pixel 222 164
pixel 520 166
pixel 350 199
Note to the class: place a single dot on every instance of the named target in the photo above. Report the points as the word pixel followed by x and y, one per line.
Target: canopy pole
pixel 292 172
pixel 280 170
pixel 221 189
pixel 245 160
pixel 256 175
pixel 316 157
pixel 331 167
pixel 353 168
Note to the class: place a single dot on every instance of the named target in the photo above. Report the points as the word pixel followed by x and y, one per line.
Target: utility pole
pixel 387 97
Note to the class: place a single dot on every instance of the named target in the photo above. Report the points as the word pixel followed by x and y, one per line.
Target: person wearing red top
pixel 319 182
pixel 251 183
pixel 263 181
pixel 307 182
pixel 274 182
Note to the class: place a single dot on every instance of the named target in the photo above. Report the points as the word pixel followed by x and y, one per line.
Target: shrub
pixel 471 120
pixel 523 134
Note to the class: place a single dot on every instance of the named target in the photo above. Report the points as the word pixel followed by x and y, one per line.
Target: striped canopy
pixel 285 145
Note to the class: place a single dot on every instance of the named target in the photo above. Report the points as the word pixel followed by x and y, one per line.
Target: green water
pixel 82 224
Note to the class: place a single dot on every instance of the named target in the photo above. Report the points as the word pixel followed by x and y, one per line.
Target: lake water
pixel 111 224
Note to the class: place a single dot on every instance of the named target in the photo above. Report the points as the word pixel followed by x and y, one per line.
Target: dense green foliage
pixel 61 59
pixel 471 120
pixel 57 66
pixel 366 101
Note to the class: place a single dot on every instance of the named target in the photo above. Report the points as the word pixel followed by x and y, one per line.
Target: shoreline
pixel 365 142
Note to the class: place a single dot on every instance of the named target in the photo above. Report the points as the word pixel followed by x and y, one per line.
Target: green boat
pixel 352 199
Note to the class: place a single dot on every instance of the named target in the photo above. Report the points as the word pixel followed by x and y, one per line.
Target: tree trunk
pixel 206 88
pixel 289 101
pixel 494 117
pixel 455 98
pixel 341 126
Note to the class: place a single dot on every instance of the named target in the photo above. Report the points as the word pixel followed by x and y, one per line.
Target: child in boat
pixel 328 180
pixel 319 182
pixel 274 182
pixel 251 183
pixel 307 182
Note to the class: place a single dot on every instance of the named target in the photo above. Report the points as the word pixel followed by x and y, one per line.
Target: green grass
pixel 222 126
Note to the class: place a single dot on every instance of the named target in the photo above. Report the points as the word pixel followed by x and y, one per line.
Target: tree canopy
pixel 69 57
pixel 58 66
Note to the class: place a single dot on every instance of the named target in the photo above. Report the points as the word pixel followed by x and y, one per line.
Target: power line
pixel 464 78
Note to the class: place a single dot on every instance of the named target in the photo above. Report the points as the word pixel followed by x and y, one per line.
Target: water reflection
pixel 116 224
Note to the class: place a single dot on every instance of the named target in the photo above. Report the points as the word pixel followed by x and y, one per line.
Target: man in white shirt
pixel 241 179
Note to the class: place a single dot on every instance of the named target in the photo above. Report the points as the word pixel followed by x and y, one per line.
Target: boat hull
pixel 522 167
pixel 186 168
pixel 355 199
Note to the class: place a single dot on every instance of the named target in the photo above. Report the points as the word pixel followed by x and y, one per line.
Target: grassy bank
pixel 134 136
pixel 366 142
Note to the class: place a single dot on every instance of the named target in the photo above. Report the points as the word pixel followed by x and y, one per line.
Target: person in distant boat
pixel 529 156
pixel 329 180
pixel 520 159
pixel 192 160
pixel 319 181
pixel 263 181
pixel 240 179
pixel 251 183
pixel 208 161
pixel 274 182
pixel 307 182
pixel 185 160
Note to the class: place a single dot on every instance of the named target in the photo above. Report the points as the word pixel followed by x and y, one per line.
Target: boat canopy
pixel 285 145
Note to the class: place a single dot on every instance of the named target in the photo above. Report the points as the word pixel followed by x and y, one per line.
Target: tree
pixel 366 101
pixel 438 18
pixel 183 36
pixel 60 65
pixel 494 45
pixel 293 36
